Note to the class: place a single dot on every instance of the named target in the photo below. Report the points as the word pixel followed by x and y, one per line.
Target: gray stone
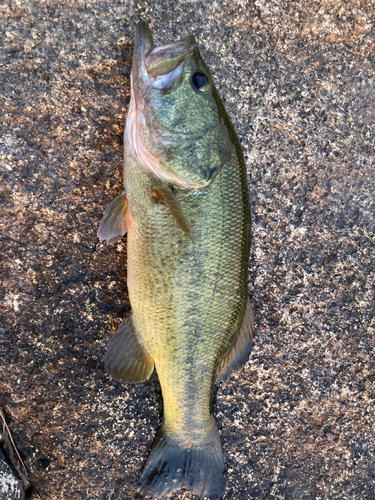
pixel 11 487
pixel 297 78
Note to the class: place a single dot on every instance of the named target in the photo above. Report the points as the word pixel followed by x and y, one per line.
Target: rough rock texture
pixel 297 78
pixel 10 487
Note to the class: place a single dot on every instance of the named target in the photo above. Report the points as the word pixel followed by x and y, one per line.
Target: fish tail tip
pixel 171 466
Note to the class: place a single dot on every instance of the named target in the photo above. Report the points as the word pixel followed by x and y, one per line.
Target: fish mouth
pixel 152 66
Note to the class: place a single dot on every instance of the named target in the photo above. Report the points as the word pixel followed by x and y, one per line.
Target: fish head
pixel 174 125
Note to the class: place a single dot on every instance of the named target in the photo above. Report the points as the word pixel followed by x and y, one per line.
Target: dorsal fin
pixel 239 349
pixel 166 196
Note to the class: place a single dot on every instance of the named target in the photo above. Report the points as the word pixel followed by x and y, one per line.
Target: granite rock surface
pixel 297 79
pixel 11 487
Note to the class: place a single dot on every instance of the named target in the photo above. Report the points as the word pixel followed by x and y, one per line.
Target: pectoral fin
pixel 126 359
pixel 239 349
pixel 115 221
pixel 168 198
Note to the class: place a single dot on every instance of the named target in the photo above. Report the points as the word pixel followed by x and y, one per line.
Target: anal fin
pixel 115 221
pixel 126 359
pixel 239 349
pixel 166 196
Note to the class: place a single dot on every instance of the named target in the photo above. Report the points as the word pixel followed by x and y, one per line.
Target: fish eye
pixel 200 81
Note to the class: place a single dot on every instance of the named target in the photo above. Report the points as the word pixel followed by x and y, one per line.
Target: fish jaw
pixel 143 44
pixel 165 59
pixel 150 63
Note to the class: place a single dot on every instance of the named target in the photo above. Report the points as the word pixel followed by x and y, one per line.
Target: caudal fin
pixel 171 465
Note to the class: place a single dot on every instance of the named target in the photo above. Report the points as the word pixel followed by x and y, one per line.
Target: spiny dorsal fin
pixel 168 198
pixel 115 221
pixel 126 359
pixel 239 349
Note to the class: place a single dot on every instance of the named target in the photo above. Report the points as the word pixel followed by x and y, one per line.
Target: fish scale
pixel 187 216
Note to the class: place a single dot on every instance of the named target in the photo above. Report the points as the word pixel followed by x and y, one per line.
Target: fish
pixel 186 211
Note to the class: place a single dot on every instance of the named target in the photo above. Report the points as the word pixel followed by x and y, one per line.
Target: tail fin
pixel 171 466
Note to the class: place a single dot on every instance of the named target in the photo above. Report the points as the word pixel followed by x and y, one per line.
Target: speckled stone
pixel 10 487
pixel 297 78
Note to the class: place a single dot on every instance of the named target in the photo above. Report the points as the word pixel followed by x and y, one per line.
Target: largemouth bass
pixel 186 211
